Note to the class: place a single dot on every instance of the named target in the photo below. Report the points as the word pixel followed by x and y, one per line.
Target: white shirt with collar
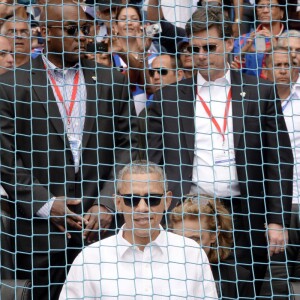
pixel 291 111
pixel 214 170
pixel 170 267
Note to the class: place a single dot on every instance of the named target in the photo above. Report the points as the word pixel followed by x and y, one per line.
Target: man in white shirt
pixel 143 261
pixel 282 69
pixel 223 134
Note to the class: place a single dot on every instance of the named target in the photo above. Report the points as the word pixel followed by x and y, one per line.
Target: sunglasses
pixel 161 72
pixel 206 49
pixel 72 30
pixel 134 200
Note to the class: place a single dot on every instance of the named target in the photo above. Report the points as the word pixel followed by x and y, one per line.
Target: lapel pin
pixel 94 78
pixel 243 94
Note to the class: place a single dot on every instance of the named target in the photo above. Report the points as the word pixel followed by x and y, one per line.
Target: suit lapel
pixel 187 113
pixel 92 82
pixel 44 92
pixel 239 106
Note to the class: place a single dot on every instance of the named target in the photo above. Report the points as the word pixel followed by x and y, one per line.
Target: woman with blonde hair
pixel 209 223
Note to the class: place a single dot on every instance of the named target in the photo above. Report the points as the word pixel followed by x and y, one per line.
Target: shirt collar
pixel 222 81
pixel 52 67
pixel 296 87
pixel 124 246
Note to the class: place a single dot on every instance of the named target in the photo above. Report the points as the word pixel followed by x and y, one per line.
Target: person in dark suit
pixel 67 126
pixel 223 134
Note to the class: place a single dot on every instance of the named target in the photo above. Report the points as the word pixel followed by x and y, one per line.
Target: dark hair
pixel 120 8
pixel 206 17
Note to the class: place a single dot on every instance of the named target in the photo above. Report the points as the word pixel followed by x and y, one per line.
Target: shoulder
pixel 108 74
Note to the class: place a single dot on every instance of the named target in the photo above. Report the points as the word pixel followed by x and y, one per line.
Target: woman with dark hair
pixel 132 51
pixel 250 48
pixel 209 223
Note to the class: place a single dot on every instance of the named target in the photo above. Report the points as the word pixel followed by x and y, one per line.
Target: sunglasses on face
pixel 72 30
pixel 134 200
pixel 162 71
pixel 206 49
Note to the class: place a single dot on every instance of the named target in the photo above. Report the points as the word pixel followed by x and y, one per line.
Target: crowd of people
pixel 126 133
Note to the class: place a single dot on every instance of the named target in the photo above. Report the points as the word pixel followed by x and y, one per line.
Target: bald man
pixel 65 131
pixel 6 58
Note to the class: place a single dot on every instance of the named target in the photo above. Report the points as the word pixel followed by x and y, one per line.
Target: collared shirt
pixel 291 111
pixel 64 79
pixel 170 267
pixel 214 171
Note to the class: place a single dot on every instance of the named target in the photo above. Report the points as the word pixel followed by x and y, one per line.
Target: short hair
pixel 13 19
pixel 218 220
pixel 142 167
pixel 206 17
pixel 270 54
pixel 286 35
pixel 172 58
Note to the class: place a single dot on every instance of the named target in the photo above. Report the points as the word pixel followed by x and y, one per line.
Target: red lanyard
pixel 206 108
pixel 60 97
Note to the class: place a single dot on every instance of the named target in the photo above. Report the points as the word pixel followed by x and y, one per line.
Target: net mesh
pixel 149 149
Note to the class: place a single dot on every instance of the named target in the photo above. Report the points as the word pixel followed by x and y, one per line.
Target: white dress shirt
pixel 170 267
pixel 214 170
pixel 291 111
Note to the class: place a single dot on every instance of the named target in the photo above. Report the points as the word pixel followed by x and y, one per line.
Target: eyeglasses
pixel 134 200
pixel 206 49
pixel 160 71
pixel 72 30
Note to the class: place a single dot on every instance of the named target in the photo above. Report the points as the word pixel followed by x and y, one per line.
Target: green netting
pixel 149 149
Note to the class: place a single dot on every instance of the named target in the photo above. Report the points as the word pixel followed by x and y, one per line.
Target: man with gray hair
pixel 142 259
pixel 291 40
pixel 17 30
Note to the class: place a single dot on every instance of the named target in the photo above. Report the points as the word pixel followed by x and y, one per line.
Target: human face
pixel 161 64
pixel 18 34
pixel 65 48
pixel 212 65
pixel 142 222
pixel 186 58
pixel 281 71
pixel 269 11
pixel 293 44
pixel 128 23
pixel 6 58
pixel 197 231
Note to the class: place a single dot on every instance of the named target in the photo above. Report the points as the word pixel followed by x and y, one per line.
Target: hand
pixel 237 63
pixel 143 42
pixel 60 214
pixel 104 59
pixel 248 47
pixel 95 214
pixel 277 237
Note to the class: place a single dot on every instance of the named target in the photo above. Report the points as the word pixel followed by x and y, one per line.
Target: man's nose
pixel 142 206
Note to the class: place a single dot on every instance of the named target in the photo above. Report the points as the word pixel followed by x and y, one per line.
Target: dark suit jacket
pixel 264 159
pixel 36 160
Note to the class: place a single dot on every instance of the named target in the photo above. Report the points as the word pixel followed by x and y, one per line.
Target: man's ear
pixel 118 203
pixel 45 32
pixel 168 202
pixel 229 45
pixel 180 75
